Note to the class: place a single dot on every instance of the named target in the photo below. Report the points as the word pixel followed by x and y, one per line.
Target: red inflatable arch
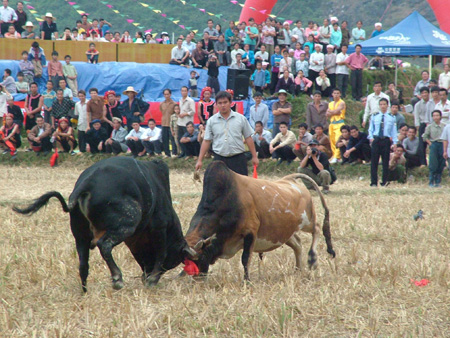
pixel 260 10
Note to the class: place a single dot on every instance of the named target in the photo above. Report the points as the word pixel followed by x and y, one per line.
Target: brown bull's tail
pixel 326 220
pixel 42 201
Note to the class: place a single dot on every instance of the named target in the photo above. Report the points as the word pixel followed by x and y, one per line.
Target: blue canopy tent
pixel 413 36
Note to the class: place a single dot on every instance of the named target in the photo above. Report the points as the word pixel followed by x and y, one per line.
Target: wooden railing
pixel 11 49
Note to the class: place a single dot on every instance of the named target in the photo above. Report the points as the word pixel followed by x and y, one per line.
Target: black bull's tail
pixel 42 201
pixel 326 220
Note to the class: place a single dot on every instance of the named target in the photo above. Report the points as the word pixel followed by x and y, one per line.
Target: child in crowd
pixel 193 89
pixel 49 97
pixel 174 128
pixel 70 72
pixel 55 71
pixel 260 78
pixel 26 67
pixel 213 74
pixel 21 86
pixel 92 54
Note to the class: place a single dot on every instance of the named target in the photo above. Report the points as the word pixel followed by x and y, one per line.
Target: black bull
pixel 123 200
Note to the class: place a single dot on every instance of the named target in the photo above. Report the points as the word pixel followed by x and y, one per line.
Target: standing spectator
pixel 213 73
pixel 49 27
pixel 85 24
pixel 8 16
pixel 8 82
pixel 444 78
pixel 225 130
pixel 268 35
pixel 433 136
pixel 61 107
pixel 262 55
pixel 55 70
pixel 411 146
pixel 425 82
pixel 403 133
pixel 282 145
pixel 235 39
pixel 251 34
pixel 304 139
pixel 260 78
pixel 133 108
pixel 281 111
pixel 33 106
pixel 286 61
pixel 320 170
pixel 397 165
pixel 151 138
pixel 174 129
pixel 104 26
pixel 26 67
pixel 22 87
pixel 206 106
pixel 28 32
pixel 325 33
pixel 248 58
pixel 316 63
pixel 336 37
pixel 262 137
pixel 199 56
pixel 393 93
pixel 66 91
pixel 112 109
pixel 330 65
pixel 96 109
pixel 399 118
pixel 37 57
pixel 421 120
pixel 81 114
pixel 116 143
pixel 64 137
pixel 167 109
pixel 373 102
pixel 336 114
pixel 49 96
pixel 358 147
pixel 193 84
pixel 259 112
pixel 180 54
pixel 342 70
pixel 358 34
pixel 444 105
pixel 16 112
pixel 39 136
pixel 345 34
pixel 190 142
pixel 92 54
pixel 356 62
pixel 221 49
pixel 316 113
pixel 382 133
pixel 95 137
pixel 187 111
pixel 446 144
pixel 4 97
pixel 275 60
pixel 299 31
pixel 378 30
pixel 302 64
pixel 70 73
pixel 229 33
pixel 212 32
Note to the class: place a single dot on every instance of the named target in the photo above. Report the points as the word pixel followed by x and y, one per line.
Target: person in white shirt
pixel 299 31
pixel 187 111
pixel 180 55
pixel 151 139
pixel 188 44
pixel 316 61
pixel 444 78
pixel 236 51
pixel 4 97
pixel 446 143
pixel 81 113
pixel 134 140
pixel 444 105
pixel 342 70
pixel 259 112
pixel 7 17
pixel 373 102
pixel 325 33
pixel 262 55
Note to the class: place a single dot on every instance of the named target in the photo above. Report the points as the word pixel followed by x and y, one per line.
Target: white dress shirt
pixel 319 57
pixel 186 106
pixel 7 14
pixel 444 80
pixel 445 110
pixel 80 111
pixel 153 134
pixel 373 105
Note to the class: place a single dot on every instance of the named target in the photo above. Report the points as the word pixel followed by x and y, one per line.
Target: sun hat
pixel 128 90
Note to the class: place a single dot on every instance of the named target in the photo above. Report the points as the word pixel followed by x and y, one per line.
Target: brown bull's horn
pixel 199 245
pixel 209 240
pixel 191 252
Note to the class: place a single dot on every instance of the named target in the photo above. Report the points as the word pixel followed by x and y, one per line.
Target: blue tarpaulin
pixel 413 36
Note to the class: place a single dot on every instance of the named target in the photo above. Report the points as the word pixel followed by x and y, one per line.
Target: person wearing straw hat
pixel 22 18
pixel 7 17
pixel 27 32
pixel 49 27
pixel 133 108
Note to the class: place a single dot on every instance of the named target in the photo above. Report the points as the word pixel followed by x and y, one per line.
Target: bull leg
pixel 249 240
pixel 295 244
pixel 312 256
pixel 159 250
pixel 83 255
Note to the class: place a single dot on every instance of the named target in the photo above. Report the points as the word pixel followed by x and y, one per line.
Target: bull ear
pixel 190 252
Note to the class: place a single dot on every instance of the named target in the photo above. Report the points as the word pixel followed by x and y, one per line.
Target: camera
pixel 314 151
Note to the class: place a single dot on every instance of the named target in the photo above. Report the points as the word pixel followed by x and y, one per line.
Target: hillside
pixel 179 16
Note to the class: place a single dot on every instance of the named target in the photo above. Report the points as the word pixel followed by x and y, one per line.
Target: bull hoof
pixel 117 285
pixel 151 281
pixel 84 288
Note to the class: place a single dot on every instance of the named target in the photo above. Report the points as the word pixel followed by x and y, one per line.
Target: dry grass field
pixel 366 291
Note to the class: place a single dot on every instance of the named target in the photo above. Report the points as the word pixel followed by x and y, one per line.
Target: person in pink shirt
pixel 356 63
pixel 55 70
pixel 302 84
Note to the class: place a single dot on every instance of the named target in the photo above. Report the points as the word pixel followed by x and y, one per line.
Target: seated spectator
pixel 297 51
pixel 238 64
pixel 37 57
pixel 236 50
pixel 138 38
pixel 112 109
pixel 286 83
pixel 432 137
pixel 64 137
pixel 324 141
pixel 92 54
pixel 358 147
pixel 342 142
pixel 260 78
pixel 189 142
pixel 33 106
pixel 304 139
pixel 248 58
pixel 8 82
pixel 221 50
pixel 104 26
pixel 10 136
pixel 67 35
pixel 320 167
pixel 116 143
pixel 188 43
pixel 26 67
pixel 133 108
pixel 55 70
pixel 180 54
pixel 70 73
pixel 22 87
pixel 81 115
pixel 199 56
pixel 281 147
pixel 95 137
pixel 126 37
pixel 376 63
pixel 151 139
pixel 259 112
pixel 262 138
pixel 134 140
pixel 15 111
pixel 402 132
pixel 262 55
pixel 323 83
pixel 75 35
pixel 425 82
pixel 39 136
pixel 395 106
pixel 61 107
pixel 411 148
pixel 396 166
pixel 12 33
pixel 117 37
pixel 67 92
pixel 149 39
pixel 394 94
pixel 28 32
pixel 207 43
pixel 302 84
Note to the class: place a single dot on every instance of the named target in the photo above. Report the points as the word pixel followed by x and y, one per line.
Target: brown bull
pixel 237 212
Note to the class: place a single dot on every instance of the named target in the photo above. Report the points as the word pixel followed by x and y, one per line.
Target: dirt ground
pixel 365 291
